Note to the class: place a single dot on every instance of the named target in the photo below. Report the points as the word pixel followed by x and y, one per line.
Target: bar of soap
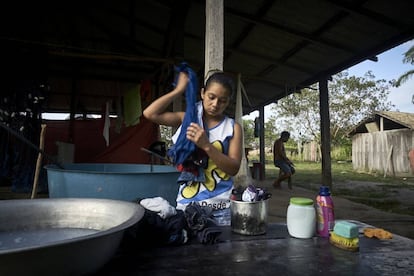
pixel 346 229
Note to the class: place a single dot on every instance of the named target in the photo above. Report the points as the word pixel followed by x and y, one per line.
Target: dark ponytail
pixel 223 79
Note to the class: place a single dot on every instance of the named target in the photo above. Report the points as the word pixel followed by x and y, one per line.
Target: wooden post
pixel 73 104
pixel 325 132
pixel 214 36
pixel 262 142
pixel 38 162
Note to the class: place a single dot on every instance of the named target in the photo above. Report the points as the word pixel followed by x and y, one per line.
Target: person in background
pixel 281 161
pixel 218 137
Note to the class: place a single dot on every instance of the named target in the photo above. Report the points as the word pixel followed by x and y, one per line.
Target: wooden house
pixel 382 143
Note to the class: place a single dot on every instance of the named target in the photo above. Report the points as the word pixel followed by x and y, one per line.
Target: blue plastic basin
pixel 113 181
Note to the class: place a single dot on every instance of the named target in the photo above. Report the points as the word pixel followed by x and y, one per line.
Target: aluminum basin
pixel 68 236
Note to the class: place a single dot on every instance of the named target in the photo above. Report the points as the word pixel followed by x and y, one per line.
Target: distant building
pixel 382 143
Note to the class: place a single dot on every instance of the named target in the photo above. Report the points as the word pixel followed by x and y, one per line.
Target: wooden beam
pixel 262 141
pixel 174 38
pixel 266 59
pixel 290 31
pixel 214 43
pixel 261 12
pixel 110 57
pixel 358 9
pixel 325 132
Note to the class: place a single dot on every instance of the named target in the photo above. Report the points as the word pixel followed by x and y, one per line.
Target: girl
pixel 217 136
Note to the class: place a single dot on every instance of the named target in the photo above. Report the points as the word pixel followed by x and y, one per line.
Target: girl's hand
pixel 182 82
pixel 197 135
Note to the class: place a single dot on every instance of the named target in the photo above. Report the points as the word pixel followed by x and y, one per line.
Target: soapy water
pixel 37 237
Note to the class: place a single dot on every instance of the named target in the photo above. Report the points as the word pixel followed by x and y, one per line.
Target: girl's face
pixel 215 98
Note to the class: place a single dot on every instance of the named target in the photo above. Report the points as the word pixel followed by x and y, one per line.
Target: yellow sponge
pixel 378 233
pixel 350 244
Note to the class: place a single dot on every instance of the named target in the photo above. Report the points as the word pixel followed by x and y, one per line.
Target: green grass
pixel 311 172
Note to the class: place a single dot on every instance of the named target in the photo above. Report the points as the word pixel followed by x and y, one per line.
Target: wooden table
pixel 275 253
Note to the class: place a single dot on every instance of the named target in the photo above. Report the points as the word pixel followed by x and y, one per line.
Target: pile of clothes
pixel 250 194
pixel 163 225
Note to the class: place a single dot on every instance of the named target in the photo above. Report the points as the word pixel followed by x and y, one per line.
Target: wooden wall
pixel 383 151
pixel 311 152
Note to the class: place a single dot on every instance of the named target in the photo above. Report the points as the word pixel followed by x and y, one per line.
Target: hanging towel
pixel 183 148
pixel 132 104
pixel 119 110
pixel 146 93
pixel 119 115
pixel 107 123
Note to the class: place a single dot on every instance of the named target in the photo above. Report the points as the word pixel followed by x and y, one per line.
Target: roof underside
pixel 390 120
pixel 278 47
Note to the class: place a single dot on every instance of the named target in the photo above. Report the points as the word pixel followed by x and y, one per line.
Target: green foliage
pixel 408 58
pixel 166 134
pixel 342 153
pixel 351 99
pixel 249 140
pixel 299 114
pixel 355 98
pixel 271 133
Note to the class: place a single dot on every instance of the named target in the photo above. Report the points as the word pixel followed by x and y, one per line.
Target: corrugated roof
pixel 393 120
pixel 403 118
pixel 278 46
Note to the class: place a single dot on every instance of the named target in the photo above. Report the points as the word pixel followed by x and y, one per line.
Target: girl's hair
pixel 223 79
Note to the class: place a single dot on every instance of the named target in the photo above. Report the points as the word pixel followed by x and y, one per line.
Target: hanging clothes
pixel 146 92
pixel 132 104
pixel 107 123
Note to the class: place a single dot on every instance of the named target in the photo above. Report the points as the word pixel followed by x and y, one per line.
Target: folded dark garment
pixel 153 231
pixel 209 235
pixel 198 217
pixel 201 223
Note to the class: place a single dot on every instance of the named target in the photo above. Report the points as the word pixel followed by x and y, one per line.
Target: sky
pixel 389 66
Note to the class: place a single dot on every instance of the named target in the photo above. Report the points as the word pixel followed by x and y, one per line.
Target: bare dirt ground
pixel 403 197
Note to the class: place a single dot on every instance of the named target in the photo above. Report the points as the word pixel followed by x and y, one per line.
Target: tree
pixel 351 100
pixel 271 132
pixel 166 134
pixel 408 58
pixel 249 139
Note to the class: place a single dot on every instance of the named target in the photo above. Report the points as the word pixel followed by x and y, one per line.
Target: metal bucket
pixel 249 218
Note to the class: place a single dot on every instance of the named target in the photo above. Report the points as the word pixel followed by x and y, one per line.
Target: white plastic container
pixel 301 218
